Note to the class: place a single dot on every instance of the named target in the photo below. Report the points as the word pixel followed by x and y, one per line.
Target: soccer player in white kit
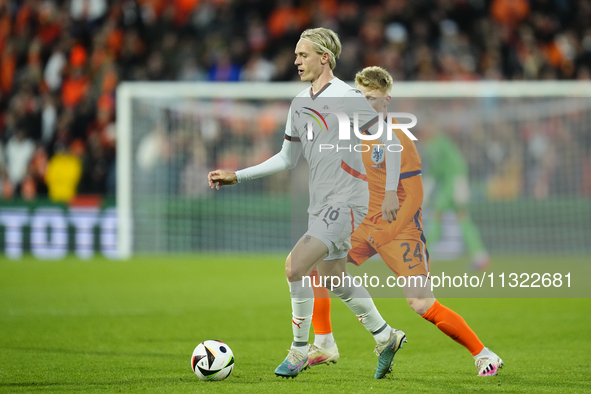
pixel 338 194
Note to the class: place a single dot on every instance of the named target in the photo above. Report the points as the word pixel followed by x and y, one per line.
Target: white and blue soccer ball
pixel 212 360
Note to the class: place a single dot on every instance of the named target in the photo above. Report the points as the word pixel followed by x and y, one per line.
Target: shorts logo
pixel 411 267
pixel 298 324
pixel 327 224
pixel 377 155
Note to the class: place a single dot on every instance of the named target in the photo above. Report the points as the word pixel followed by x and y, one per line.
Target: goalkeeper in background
pixel 446 173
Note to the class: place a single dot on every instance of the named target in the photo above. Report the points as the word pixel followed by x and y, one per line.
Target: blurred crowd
pixel 537 148
pixel 61 62
pixel 514 147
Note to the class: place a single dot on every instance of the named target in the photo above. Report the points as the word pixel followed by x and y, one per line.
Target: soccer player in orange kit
pixel 401 244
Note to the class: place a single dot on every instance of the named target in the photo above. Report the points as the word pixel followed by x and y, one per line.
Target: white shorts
pixel 334 226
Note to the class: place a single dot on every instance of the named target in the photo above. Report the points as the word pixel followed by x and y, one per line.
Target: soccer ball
pixel 212 360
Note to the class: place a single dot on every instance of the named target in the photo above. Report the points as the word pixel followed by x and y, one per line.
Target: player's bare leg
pixel 300 262
pixel 357 298
pixel 418 294
pixel 421 299
pixel 304 257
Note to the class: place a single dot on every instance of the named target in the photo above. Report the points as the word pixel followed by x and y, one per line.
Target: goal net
pixel 527 148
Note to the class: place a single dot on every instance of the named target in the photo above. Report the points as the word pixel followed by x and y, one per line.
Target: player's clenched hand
pixel 220 178
pixel 380 238
pixel 390 206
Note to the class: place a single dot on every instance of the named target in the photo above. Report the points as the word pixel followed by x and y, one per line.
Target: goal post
pixel 128 91
pixel 169 134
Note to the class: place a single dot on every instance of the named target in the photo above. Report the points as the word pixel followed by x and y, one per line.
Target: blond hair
pixel 374 78
pixel 324 40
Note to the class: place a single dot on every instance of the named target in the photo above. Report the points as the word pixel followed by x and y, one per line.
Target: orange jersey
pixel 410 165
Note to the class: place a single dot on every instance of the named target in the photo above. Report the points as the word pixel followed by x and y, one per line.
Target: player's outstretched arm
pixel 219 178
pixel 285 159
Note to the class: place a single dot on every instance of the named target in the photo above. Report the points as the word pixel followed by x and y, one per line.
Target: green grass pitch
pixel 111 326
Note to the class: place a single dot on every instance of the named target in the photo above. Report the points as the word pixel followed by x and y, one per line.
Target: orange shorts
pixel 406 257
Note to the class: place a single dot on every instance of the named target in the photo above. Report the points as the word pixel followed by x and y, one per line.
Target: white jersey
pixel 337 175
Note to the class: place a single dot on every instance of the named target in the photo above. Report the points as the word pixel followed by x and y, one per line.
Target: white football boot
pixel 319 355
pixel 488 364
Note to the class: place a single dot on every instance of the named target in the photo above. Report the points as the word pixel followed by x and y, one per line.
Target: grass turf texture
pixel 107 326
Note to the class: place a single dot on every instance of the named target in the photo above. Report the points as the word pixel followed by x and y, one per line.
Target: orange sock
pixel 321 314
pixel 454 326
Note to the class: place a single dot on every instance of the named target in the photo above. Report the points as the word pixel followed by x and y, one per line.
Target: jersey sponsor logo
pixel 377 156
pixel 315 116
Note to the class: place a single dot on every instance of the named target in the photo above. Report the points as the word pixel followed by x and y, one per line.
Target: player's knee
pixel 295 270
pixel 420 305
pixel 295 273
pixel 415 304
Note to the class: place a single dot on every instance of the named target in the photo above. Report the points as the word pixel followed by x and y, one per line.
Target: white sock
pixel 483 353
pixel 357 298
pixel 302 307
pixel 324 340
pixel 383 336
pixel 301 349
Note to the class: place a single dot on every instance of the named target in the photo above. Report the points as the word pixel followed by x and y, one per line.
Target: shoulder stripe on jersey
pixel 313 96
pixel 366 126
pixel 351 171
pixel 292 139
pixel 408 174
